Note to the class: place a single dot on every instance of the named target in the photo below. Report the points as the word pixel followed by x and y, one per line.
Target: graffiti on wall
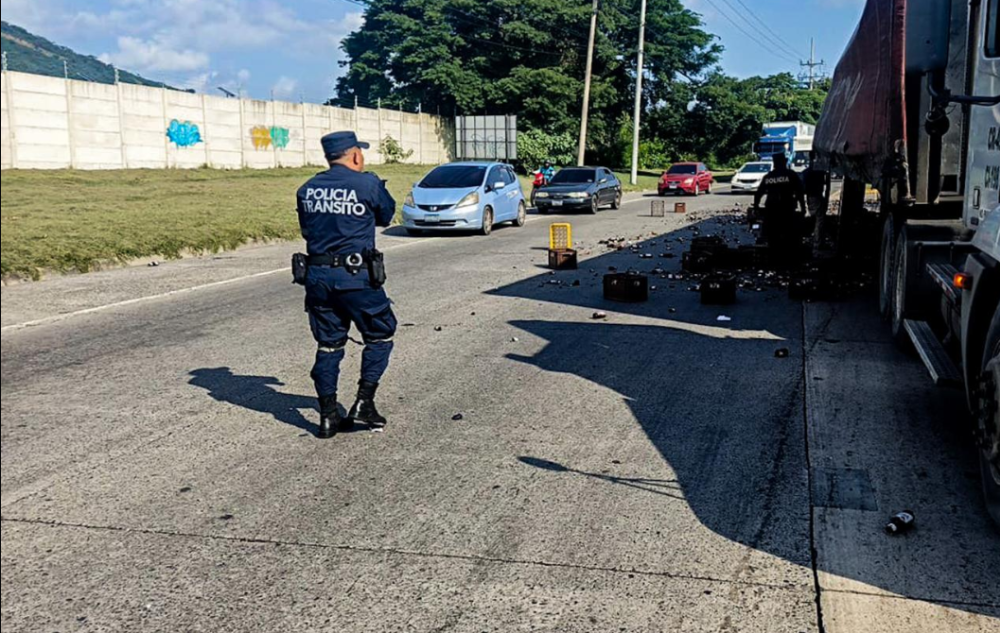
pixel 268 137
pixel 184 134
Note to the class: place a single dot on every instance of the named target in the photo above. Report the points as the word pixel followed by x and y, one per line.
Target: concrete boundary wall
pixel 52 123
pixel 5 127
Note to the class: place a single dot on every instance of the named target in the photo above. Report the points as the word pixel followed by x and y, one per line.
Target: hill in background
pixel 29 53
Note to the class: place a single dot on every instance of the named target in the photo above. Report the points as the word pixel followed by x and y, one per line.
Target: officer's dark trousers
pixel 331 314
pixel 782 231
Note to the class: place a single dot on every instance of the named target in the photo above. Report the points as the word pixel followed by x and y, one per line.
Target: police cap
pixel 339 142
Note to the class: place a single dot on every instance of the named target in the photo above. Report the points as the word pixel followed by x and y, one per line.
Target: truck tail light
pixel 963 281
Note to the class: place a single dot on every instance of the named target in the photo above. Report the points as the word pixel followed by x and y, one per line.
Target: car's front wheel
pixel 595 204
pixel 487 222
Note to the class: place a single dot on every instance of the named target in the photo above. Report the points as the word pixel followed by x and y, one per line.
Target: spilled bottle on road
pixel 901 524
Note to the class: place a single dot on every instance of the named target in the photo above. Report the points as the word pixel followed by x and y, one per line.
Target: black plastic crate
pixel 718 289
pixel 626 287
pixel 563 259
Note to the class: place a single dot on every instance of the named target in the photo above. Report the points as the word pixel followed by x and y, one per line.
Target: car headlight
pixel 408 202
pixel 470 200
pixel 541 194
pixel 689 181
pixel 579 194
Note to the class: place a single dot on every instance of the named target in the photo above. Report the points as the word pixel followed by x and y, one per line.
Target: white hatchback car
pixel 749 177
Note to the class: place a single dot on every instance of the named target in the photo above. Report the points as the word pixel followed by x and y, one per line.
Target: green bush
pixel 392 151
pixel 534 147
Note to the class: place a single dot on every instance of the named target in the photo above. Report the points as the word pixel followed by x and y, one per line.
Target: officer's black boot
pixel 364 409
pixel 329 419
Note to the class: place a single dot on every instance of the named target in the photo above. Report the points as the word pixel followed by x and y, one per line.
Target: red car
pixel 693 179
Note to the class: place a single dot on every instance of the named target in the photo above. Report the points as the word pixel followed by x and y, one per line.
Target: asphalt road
pixel 659 471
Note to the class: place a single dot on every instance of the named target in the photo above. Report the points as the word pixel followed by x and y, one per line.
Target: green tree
pixel 525 57
pixel 726 115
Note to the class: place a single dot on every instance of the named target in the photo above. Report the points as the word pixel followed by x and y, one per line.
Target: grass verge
pixel 72 221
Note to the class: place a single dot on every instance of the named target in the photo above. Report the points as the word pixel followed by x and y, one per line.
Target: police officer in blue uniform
pixel 785 193
pixel 343 275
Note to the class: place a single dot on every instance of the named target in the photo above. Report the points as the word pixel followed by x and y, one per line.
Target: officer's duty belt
pixel 356 260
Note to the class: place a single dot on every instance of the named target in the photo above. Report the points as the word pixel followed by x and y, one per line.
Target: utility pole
pixel 638 94
pixel 65 70
pixel 582 156
pixel 812 65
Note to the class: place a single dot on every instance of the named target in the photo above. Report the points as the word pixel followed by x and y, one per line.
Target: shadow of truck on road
pixel 730 419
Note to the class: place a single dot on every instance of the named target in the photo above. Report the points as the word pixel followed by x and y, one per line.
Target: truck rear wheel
pixel 887 277
pixel 989 421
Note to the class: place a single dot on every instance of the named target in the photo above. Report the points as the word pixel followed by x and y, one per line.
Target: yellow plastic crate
pixel 560 237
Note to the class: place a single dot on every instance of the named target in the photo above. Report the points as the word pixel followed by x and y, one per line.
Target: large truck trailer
pixel 914 112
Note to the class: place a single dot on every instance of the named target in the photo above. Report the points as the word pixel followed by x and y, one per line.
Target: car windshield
pixel 454 177
pixel 575 177
pixel 683 170
pixel 756 168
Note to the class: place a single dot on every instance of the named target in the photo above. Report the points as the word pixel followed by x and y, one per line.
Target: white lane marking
pixel 131 302
pixel 217 284
pixel 165 295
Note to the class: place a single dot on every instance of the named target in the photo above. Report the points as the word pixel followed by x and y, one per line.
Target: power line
pixel 750 36
pixel 774 36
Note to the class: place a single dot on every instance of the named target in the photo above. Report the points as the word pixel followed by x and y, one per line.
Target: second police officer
pixel 343 275
pixel 785 194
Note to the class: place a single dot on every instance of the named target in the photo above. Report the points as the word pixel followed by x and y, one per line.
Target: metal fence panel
pixel 486 138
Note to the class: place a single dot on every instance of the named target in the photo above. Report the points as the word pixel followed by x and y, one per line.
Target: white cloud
pixel 25 13
pixel 184 41
pixel 156 56
pixel 285 88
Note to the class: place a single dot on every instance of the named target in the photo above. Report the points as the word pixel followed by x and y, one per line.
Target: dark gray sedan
pixel 580 188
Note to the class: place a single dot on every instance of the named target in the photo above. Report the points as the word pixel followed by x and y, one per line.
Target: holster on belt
pixel 376 268
pixel 300 268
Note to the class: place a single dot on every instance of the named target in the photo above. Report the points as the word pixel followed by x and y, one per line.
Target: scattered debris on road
pixel 783 353
pixel 902 523
pixel 600 316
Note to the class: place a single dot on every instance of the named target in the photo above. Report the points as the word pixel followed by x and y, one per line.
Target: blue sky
pixel 292 48
pixel 751 49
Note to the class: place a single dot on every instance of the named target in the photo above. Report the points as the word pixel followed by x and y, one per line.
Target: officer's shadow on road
pixel 258 394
